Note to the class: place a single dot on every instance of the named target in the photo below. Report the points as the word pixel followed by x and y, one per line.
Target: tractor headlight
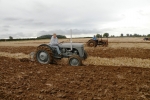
pixel 75 52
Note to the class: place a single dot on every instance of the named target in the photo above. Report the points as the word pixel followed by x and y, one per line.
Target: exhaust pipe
pixel 71 41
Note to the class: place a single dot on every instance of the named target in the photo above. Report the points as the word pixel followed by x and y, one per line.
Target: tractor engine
pixel 68 52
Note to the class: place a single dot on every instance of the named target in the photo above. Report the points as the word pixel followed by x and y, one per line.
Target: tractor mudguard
pixel 46 46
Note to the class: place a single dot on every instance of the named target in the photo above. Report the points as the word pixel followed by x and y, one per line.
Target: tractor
pixel 146 39
pixel 94 43
pixel 75 53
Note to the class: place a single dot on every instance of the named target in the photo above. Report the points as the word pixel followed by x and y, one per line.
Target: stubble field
pixel 120 71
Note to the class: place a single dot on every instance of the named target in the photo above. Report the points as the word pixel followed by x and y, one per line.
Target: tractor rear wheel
pixel 91 43
pixel 75 60
pixel 44 55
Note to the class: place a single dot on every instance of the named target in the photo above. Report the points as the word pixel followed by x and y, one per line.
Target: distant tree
pixel 148 35
pixel 49 36
pixel 44 37
pixel 98 35
pixel 136 35
pixel 112 36
pixel 131 35
pixel 144 35
pixel 106 35
pixel 121 35
pixel 127 35
pixel 10 37
pixel 61 36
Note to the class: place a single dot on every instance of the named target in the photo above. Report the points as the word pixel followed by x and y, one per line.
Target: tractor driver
pixel 94 37
pixel 54 43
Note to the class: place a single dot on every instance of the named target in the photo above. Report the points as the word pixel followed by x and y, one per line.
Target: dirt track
pixel 33 81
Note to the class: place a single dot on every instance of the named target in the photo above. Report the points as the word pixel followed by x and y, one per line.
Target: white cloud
pixel 37 17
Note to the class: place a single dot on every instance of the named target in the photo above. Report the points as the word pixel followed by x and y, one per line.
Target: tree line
pixel 49 36
pixel 105 35
pixel 38 38
pixel 134 35
pixel 121 35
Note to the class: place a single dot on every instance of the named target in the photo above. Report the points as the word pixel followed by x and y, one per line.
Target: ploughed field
pixel 120 71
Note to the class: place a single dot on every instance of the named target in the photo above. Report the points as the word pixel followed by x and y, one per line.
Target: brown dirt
pixel 21 49
pixel 21 79
pixel 98 51
pixel 120 52
pixel 25 80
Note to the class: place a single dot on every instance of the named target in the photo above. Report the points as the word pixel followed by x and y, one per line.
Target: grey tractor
pixel 75 53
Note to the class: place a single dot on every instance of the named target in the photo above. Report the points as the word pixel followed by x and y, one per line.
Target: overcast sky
pixel 32 18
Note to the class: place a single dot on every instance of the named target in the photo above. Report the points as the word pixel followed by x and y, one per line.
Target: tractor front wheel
pixel 75 60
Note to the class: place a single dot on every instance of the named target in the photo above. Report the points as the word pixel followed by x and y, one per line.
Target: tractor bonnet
pixel 67 45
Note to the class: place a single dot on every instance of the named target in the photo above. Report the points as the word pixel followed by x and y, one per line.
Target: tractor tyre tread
pixel 48 50
pixel 91 41
pixel 75 56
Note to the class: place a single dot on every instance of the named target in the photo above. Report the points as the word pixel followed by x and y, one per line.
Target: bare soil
pixel 26 80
